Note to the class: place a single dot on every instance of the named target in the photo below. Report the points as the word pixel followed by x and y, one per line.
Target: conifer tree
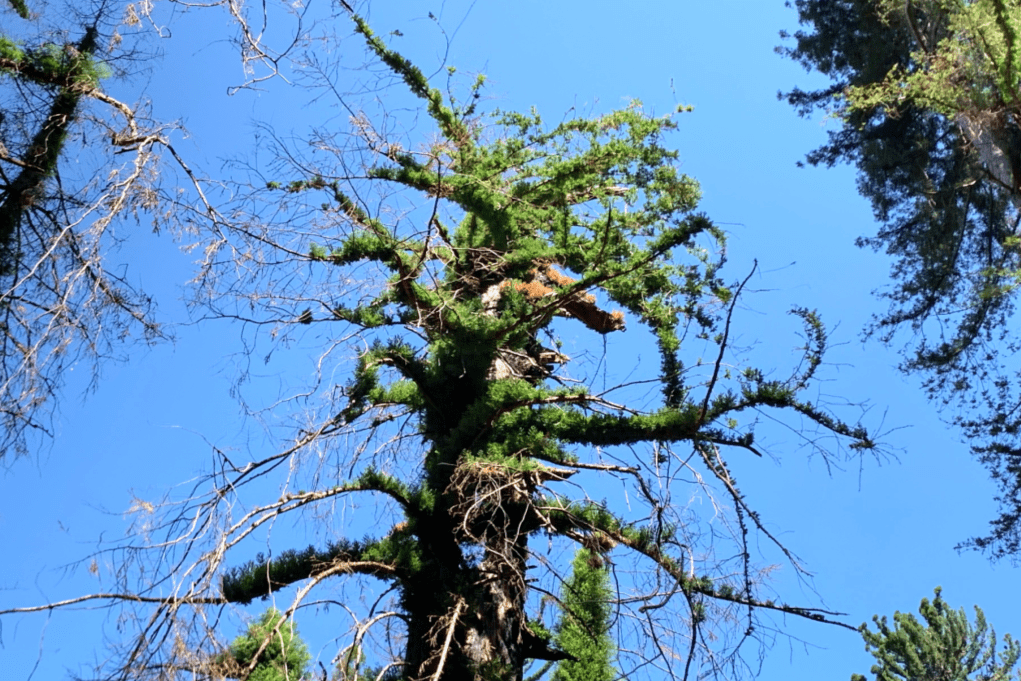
pixel 597 198
pixel 270 650
pixel 943 646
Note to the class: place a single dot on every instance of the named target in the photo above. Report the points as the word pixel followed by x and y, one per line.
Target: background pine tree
pixel 927 94
pixel 945 647
pixel 281 653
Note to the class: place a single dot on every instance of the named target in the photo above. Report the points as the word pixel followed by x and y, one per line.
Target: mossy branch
pixel 43 153
pixel 260 577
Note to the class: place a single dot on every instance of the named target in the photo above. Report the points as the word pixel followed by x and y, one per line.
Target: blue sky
pixel 878 535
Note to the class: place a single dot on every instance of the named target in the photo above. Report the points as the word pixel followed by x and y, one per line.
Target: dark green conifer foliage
pixel 927 92
pixel 271 648
pixel 21 8
pixel 587 615
pixel 943 646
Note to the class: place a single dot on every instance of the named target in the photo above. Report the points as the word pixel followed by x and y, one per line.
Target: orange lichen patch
pixel 580 305
pixel 558 278
pixel 539 286
pixel 533 290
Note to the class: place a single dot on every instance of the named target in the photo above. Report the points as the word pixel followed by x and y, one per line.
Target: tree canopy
pixel 943 646
pixel 926 94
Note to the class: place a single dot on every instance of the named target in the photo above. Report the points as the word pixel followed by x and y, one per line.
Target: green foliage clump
pixel 284 655
pixel 584 629
pixel 971 62
pixel 10 51
pixel 944 646
pixel 51 64
pixel 21 8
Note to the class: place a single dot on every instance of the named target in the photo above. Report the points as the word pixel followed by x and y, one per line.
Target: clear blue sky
pixel 878 536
